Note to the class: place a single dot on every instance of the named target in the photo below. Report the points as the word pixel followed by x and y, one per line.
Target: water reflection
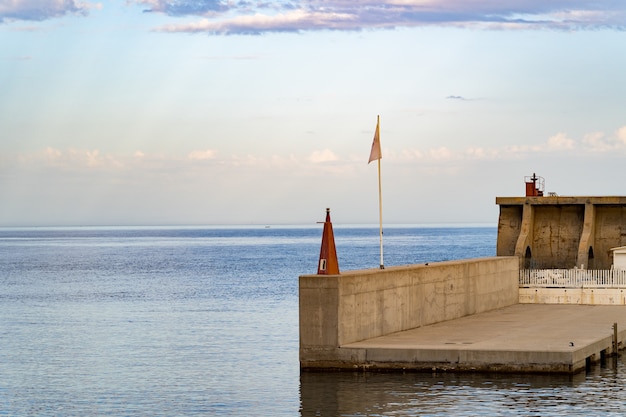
pixel 464 394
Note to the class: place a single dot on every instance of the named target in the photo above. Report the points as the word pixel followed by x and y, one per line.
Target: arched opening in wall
pixel 528 258
pixel 590 259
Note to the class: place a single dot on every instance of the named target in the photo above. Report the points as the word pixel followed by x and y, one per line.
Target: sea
pixel 203 321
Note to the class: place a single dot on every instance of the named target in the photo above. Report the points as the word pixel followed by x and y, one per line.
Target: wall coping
pixel 562 200
pixel 401 268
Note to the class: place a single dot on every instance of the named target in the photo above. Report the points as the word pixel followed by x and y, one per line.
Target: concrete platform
pixel 518 338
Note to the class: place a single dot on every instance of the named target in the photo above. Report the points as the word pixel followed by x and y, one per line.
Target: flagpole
pixel 380 215
pixel 380 200
pixel 377 154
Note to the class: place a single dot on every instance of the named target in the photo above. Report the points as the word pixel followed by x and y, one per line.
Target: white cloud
pixel 621 135
pixel 253 160
pixel 596 142
pixel 70 159
pixel 600 142
pixel 200 155
pixel 409 154
pixel 93 186
pixel 229 17
pixel 326 155
pixel 304 15
pixel 560 141
pixel 291 21
pixel 441 153
pixel 52 154
pixel 481 153
pixel 93 160
pixel 38 10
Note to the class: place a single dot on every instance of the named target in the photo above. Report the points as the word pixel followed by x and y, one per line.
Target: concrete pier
pixel 457 315
pixel 466 315
pixel 518 338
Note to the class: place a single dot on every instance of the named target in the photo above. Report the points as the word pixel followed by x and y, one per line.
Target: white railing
pixel 572 278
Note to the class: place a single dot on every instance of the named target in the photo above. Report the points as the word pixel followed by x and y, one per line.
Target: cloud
pixel 202 155
pixel 600 142
pixel 462 98
pixel 38 10
pixel 596 142
pixel 185 7
pixel 93 160
pixel 621 135
pixel 291 21
pixel 560 141
pixel 326 155
pixel 482 153
pixel 441 153
pixel 247 17
pixel 71 159
pixel 225 17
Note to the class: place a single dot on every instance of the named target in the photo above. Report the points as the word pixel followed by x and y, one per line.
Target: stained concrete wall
pixel 561 232
pixel 556 231
pixel 589 296
pixel 610 226
pixel 358 305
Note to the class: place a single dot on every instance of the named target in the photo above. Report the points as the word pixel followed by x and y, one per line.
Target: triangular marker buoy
pixel 328 264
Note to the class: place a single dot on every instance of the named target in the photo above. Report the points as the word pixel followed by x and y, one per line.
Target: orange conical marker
pixel 328 265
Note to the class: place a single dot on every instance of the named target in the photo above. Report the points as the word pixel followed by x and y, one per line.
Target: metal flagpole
pixel 376 153
pixel 380 215
pixel 380 196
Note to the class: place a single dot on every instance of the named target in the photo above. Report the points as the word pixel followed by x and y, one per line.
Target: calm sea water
pixel 204 321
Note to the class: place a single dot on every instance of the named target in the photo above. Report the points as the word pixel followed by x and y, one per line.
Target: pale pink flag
pixel 376 153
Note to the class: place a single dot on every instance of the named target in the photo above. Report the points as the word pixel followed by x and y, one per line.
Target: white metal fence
pixel 572 278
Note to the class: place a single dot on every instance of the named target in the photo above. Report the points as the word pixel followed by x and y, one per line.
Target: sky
pixel 202 112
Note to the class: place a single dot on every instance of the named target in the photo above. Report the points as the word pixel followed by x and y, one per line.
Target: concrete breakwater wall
pixel 340 309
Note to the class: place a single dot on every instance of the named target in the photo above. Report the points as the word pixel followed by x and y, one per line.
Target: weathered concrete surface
pixel 339 309
pixel 517 338
pixel 590 296
pixel 561 232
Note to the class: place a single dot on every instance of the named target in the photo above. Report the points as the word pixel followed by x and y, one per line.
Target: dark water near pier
pixel 204 321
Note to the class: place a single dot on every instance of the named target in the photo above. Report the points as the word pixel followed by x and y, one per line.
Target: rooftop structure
pixel 561 232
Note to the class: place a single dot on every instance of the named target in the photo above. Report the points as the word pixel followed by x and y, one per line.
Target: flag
pixel 376 153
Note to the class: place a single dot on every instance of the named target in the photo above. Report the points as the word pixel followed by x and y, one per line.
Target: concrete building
pixel 561 232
